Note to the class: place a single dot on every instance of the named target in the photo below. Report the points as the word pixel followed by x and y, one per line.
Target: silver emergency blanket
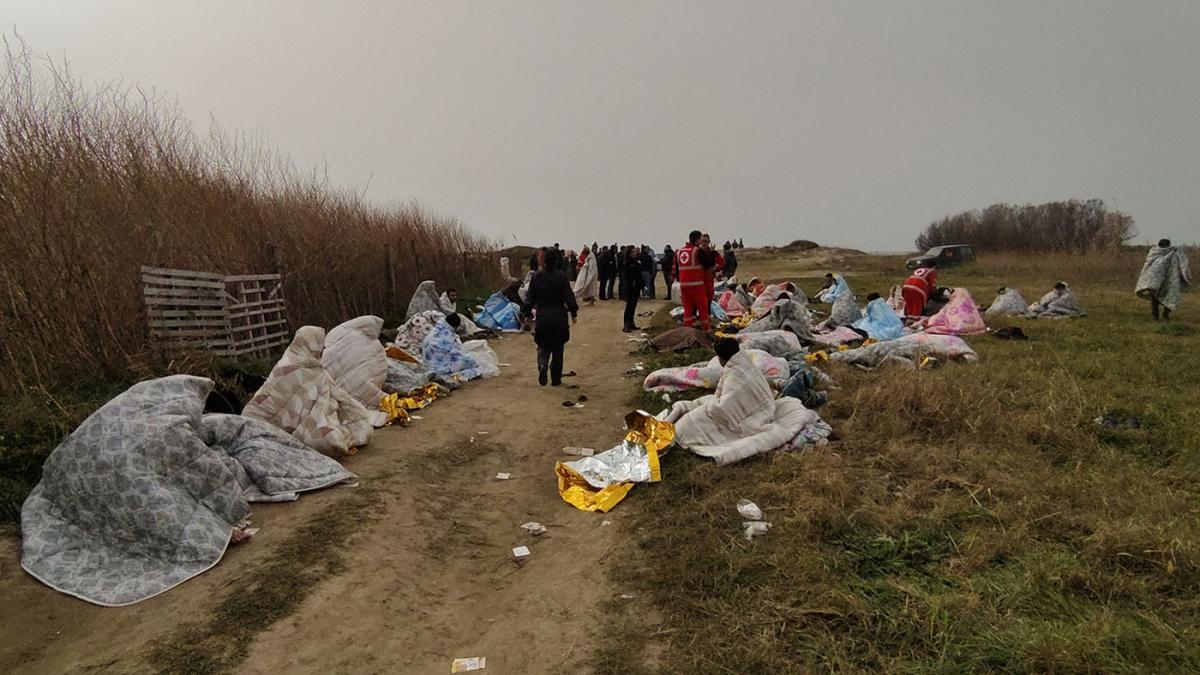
pixel 625 463
pixel 1165 274
pixel 404 377
pixel 145 494
pixel 844 311
pixel 907 350
pixel 1056 305
pixel 789 315
pixel 1008 302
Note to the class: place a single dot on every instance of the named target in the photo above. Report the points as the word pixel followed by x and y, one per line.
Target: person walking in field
pixel 918 287
pixel 690 272
pixel 550 295
pixel 587 282
pixel 1164 279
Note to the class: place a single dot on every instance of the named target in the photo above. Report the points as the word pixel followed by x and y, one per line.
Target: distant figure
pixel 633 286
pixel 573 265
pixel 690 272
pixel 1164 278
pixel 668 267
pixel 622 282
pixel 713 263
pixel 550 295
pixel 731 262
pixel 587 282
pixel 918 288
pixel 533 260
pixel 649 271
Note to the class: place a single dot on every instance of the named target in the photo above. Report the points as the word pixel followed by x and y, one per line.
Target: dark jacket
pixel 551 296
pixel 633 276
pixel 730 263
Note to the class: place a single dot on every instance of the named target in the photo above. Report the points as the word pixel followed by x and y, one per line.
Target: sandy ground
pixel 429 574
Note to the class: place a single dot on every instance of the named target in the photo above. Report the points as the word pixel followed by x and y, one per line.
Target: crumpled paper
pixel 600 482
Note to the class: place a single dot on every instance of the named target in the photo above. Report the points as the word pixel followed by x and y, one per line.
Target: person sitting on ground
pixel 1059 303
pixel 1164 278
pixel 448 303
pixel 742 417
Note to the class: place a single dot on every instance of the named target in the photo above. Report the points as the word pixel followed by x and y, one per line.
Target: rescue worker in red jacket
pixel 690 273
pixel 713 262
pixel 918 287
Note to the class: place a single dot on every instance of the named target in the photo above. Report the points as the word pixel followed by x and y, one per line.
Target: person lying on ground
pixel 1164 278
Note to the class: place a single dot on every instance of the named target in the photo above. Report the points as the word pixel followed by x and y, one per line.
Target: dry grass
pixel 968 518
pixel 95 182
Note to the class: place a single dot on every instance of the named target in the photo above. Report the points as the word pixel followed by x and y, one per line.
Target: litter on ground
pixel 534 528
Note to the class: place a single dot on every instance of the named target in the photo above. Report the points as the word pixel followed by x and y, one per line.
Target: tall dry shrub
pixel 97 181
pixel 1070 226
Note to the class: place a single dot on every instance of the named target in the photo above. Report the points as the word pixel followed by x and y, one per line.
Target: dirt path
pixel 428 573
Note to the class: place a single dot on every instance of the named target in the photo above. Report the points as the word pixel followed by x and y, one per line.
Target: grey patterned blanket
pixel 144 495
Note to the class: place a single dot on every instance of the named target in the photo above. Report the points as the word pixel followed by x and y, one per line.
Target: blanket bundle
pixel 706 375
pixel 880 321
pixel 1008 302
pixel 959 316
pixel 145 494
pixel 1056 305
pixel 742 418
pixel 907 350
pixel 303 399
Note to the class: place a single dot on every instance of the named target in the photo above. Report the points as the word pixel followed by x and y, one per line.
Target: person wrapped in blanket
pixel 742 418
pixel 1164 279
pixel 1059 303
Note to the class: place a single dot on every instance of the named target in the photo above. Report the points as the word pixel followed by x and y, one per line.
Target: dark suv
pixel 945 256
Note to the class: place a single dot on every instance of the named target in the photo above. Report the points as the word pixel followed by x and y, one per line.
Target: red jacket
pixel 924 279
pixel 688 270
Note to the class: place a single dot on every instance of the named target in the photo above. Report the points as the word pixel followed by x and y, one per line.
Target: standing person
pixel 533 260
pixel 573 265
pixel 588 282
pixel 649 269
pixel 918 288
pixel 633 281
pixel 622 283
pixel 1164 278
pixel 713 263
pixel 553 300
pixel 602 271
pixel 691 282
pixel 668 267
pixel 731 262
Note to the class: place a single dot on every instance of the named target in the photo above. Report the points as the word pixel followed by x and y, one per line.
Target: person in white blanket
pixel 743 418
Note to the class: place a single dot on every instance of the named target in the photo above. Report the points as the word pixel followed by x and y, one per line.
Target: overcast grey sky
pixel 849 123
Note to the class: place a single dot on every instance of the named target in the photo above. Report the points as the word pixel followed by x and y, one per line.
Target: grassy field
pixel 966 518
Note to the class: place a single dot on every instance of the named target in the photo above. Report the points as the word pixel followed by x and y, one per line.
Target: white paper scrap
pixel 503 476
pixel 467 665
pixel 521 552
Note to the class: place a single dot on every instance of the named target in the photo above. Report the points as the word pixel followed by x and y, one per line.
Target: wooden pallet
pixel 232 316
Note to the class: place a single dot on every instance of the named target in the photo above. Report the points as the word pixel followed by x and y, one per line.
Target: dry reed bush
pixel 97 181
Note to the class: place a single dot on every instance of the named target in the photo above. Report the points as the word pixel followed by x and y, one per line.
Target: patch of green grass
pixel 970 518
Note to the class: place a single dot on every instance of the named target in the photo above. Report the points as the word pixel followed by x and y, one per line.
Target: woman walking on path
pixel 632 278
pixel 552 299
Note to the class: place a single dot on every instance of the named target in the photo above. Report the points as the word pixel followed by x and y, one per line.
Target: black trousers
pixel 605 287
pixel 631 300
pixel 553 359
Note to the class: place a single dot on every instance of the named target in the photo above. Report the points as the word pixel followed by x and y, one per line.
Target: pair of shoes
pixel 542 376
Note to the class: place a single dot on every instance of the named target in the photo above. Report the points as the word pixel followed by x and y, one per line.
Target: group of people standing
pixel 559 280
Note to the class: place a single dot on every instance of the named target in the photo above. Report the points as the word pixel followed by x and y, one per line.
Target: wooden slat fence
pixel 232 316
